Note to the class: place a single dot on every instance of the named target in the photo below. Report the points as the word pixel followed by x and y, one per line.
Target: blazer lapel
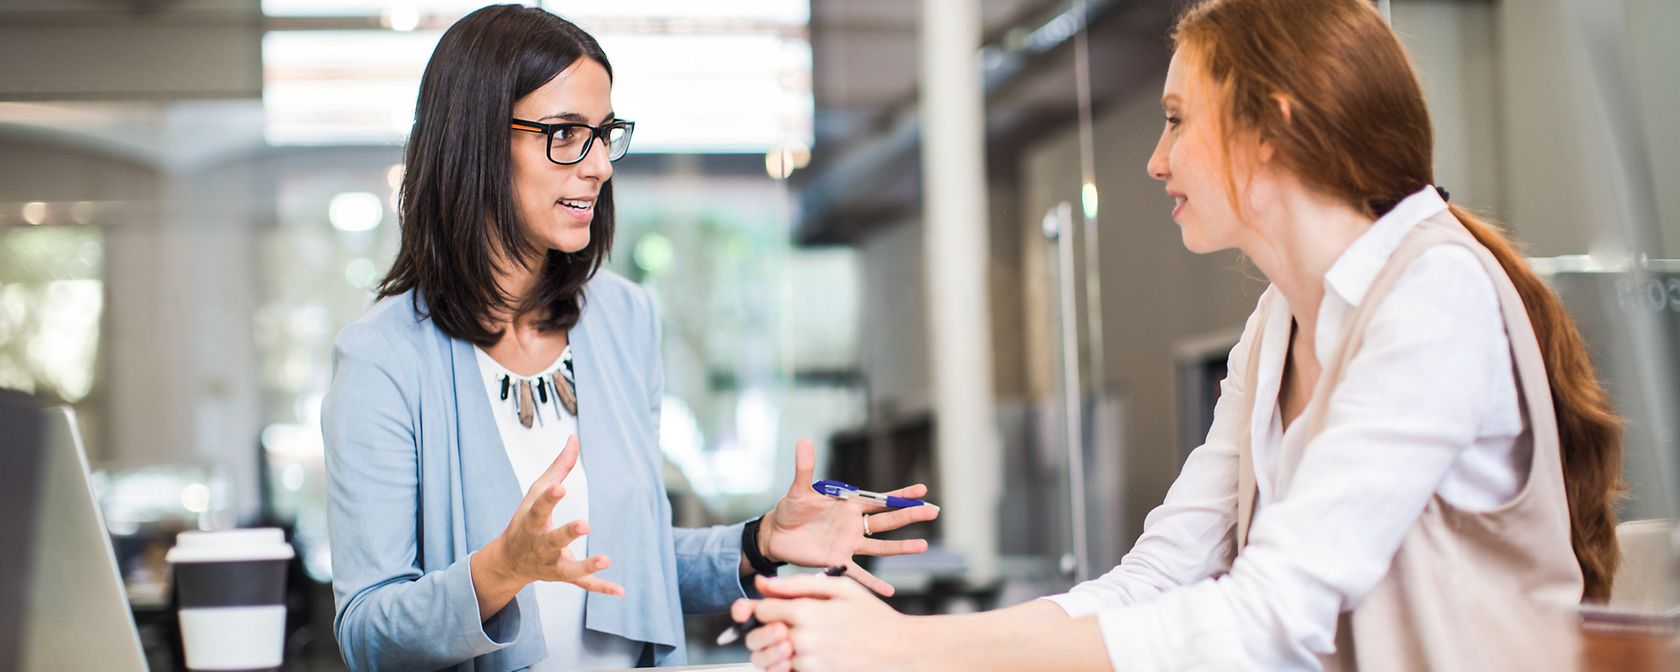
pixel 620 488
pixel 487 478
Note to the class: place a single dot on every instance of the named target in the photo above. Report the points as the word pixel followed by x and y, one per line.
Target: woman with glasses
pixel 492 429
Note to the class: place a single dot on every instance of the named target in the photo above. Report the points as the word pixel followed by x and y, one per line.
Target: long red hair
pixel 1359 129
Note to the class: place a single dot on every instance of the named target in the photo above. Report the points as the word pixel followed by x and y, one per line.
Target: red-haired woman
pixel 1412 462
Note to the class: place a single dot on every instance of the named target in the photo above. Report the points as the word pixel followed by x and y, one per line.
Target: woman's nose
pixel 1157 166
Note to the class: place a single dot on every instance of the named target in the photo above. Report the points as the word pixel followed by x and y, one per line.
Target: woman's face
pixel 1188 159
pixel 556 202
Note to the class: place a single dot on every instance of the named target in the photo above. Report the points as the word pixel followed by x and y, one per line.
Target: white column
pixel 955 255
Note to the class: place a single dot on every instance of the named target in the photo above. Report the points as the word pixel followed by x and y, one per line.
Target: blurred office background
pixel 846 236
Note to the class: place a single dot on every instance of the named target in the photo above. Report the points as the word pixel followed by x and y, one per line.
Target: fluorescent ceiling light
pixel 731 76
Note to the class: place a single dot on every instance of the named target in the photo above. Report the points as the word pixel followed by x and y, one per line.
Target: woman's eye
pixel 567 135
pixel 1172 121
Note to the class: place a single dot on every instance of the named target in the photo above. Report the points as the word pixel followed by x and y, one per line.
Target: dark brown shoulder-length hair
pixel 1359 130
pixel 456 201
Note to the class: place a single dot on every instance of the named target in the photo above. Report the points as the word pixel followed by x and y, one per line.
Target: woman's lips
pixel 585 214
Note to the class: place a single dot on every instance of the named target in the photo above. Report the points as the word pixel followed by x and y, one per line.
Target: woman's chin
pixel 1196 244
pixel 1198 239
pixel 570 241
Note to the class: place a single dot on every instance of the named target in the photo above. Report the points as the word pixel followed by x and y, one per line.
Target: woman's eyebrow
pixel 575 117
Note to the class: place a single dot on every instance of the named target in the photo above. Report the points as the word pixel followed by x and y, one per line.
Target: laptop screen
pixel 73 573
pixel 20 470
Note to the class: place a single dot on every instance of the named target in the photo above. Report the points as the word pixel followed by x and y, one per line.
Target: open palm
pixel 814 530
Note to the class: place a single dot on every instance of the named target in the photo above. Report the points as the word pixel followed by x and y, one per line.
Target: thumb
pixel 804 465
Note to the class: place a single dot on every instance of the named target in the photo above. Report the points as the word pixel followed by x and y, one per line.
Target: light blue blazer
pixel 419 479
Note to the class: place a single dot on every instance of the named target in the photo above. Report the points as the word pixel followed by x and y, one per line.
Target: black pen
pixel 739 630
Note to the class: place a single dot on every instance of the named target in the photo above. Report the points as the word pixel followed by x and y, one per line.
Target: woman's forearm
pixel 494 586
pixel 1034 635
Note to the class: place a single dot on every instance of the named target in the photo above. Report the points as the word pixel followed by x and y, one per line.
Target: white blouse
pixel 1429 405
pixel 531 450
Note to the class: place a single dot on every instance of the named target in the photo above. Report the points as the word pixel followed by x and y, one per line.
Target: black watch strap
pixel 749 547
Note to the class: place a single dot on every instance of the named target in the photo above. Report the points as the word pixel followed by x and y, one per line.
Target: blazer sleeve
pixel 708 559
pixel 709 567
pixel 389 613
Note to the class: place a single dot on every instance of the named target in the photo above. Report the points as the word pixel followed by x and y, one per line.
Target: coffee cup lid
pixel 262 543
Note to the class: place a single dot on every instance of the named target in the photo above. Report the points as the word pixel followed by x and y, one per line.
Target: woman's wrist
pixel 754 546
pixel 767 527
pixel 932 637
pixel 495 566
pixel 493 580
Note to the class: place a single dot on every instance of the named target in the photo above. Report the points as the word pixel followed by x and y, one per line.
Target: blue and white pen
pixel 739 630
pixel 846 491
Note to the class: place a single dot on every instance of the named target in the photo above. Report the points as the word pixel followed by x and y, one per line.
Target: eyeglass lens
pixel 571 143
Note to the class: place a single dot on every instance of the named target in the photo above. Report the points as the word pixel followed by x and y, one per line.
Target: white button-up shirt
pixel 1428 406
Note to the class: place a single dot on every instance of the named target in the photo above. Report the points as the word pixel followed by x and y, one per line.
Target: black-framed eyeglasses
pixel 569 142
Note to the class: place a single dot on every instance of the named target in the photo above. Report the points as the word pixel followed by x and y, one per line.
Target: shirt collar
pixel 1354 271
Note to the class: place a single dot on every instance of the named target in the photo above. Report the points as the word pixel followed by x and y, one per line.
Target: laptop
pixel 76 615
pixel 20 459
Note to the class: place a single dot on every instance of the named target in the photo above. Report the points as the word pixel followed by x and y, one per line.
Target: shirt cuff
pixel 1076 604
pixel 1126 632
pixel 1134 637
pixel 497 632
pixel 731 557
pixel 709 568
pixel 1188 629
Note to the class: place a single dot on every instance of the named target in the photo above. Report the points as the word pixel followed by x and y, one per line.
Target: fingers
pixel 897 518
pixel 563 536
pixel 791 587
pixel 776 657
pixel 867 580
pixel 916 491
pixel 581 573
pixel 561 467
pixel 572 571
pixel 777 611
pixel 864 578
pixel 741 610
pixel 804 465
pixel 880 547
pixel 538 515
pixel 766 635
pixel 596 584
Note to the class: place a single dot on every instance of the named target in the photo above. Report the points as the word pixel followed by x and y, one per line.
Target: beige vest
pixel 1467 590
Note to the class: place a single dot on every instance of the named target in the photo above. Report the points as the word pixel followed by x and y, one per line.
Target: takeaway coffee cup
pixel 231 588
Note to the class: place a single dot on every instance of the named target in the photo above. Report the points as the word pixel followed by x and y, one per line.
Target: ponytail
pixel 1589 431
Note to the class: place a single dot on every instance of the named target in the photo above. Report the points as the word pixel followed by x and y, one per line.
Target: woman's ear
pixel 1286 107
pixel 1286 110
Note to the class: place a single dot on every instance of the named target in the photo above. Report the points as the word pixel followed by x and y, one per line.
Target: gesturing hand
pixel 813 530
pixel 532 548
